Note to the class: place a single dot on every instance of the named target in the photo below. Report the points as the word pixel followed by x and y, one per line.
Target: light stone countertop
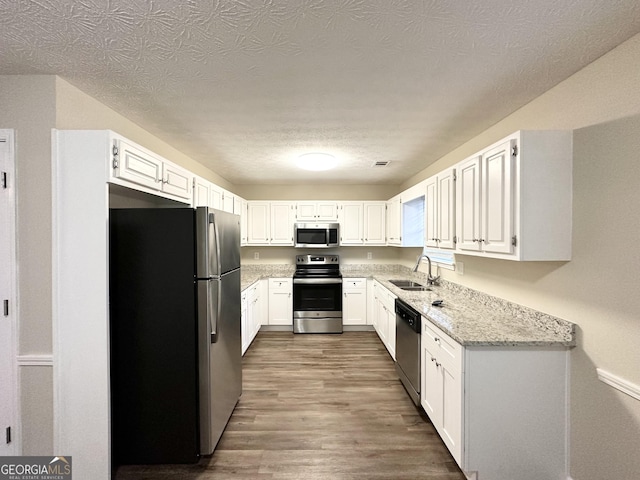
pixel 470 317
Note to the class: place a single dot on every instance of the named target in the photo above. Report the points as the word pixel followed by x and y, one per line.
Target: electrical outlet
pixel 256 255
pixel 369 256
pixel 460 268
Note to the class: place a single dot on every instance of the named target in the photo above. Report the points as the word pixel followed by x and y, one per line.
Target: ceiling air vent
pixel 381 163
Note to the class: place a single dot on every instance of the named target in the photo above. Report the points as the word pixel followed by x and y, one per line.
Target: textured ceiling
pixel 245 86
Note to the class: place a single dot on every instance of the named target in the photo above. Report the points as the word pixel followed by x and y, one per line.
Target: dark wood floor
pixel 319 407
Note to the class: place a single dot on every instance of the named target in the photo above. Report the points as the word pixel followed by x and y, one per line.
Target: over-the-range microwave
pixel 316 235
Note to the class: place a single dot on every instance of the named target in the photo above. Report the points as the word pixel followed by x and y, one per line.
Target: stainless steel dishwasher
pixel 408 348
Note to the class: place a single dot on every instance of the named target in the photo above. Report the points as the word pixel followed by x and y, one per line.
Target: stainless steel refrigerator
pixel 174 294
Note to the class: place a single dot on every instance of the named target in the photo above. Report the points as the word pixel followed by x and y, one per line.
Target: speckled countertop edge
pixel 470 317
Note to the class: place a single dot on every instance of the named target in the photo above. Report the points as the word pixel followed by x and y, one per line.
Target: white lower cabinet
pixel 441 386
pixel 384 317
pixel 354 301
pixel 251 301
pixel 280 301
pixel 500 410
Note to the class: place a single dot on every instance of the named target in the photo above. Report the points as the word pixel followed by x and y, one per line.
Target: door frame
pixel 9 411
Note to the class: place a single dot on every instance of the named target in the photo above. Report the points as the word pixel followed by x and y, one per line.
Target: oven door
pixel 313 295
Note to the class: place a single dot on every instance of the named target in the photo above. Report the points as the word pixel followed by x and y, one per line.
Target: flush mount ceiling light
pixel 317 161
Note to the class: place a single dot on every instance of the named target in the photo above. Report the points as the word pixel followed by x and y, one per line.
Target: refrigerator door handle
pixel 216 316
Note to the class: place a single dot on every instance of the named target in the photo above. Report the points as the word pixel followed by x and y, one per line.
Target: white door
pixel 8 324
pixel 258 223
pixel 327 211
pixel 375 232
pixel 176 180
pixel 468 205
pixel 351 224
pixel 431 212
pixel 446 209
pixel 497 200
pixel 200 192
pixel 281 223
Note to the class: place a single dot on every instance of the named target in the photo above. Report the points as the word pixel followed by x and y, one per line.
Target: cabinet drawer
pixel 447 351
pixel 280 284
pixel 354 283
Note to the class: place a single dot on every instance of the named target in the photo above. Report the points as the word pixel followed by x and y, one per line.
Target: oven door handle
pixel 317 281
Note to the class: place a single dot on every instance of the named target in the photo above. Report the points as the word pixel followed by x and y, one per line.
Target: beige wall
pixel 357 255
pixel 316 192
pixel 77 110
pixel 598 288
pixel 28 107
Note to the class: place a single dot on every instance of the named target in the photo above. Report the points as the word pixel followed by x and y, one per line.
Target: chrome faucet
pixel 431 280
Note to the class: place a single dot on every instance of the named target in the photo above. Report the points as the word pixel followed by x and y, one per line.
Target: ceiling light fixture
pixel 317 161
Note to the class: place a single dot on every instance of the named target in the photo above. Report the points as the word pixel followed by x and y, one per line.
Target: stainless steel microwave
pixel 316 235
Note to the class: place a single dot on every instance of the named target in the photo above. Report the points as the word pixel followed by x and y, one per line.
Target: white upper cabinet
pixel 362 223
pixel 317 211
pixel 351 223
pixel 496 204
pixel 513 199
pixel 440 210
pixel 258 223
pixel 282 219
pixel 228 201
pixel 217 195
pixel 201 192
pixel 136 167
pixel 375 232
pixel 468 205
pixel 270 223
pixel 176 180
pixel 394 221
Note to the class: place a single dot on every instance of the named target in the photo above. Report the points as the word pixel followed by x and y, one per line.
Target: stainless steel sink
pixel 410 285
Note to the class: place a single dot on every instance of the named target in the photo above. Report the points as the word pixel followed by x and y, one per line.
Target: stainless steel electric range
pixel 317 294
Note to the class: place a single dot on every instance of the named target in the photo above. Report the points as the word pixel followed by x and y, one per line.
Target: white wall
pixel 598 288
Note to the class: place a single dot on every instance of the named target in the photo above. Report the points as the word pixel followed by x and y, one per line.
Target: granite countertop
pixel 470 317
pixel 249 274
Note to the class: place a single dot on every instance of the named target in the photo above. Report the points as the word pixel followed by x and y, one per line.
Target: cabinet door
pixel 280 302
pixel 431 384
pixel 446 214
pixel 431 212
pixel 394 219
pixel 468 205
pixel 253 301
pixel 245 322
pixel 244 224
pixel 497 199
pixel 138 166
pixel 354 306
pixel 258 223
pixel 237 205
pixel 391 330
pixel 451 418
pixel 176 181
pixel 216 197
pixel 351 227
pixel 327 211
pixel 281 223
pixel 201 192
pixel 374 223
pixel 227 201
pixel 306 212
